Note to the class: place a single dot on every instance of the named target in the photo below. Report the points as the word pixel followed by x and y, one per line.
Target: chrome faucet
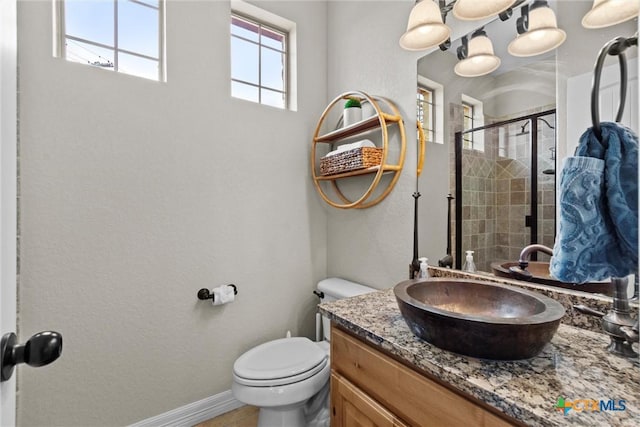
pixel 528 250
pixel 521 272
pixel 617 323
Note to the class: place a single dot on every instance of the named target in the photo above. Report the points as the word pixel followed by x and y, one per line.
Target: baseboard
pixel 194 413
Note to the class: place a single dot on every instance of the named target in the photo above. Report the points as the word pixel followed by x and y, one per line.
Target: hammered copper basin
pixel 540 274
pixel 479 319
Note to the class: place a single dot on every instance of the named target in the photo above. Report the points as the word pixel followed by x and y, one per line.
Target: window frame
pixel 476 140
pixel 429 133
pixel 60 50
pixel 467 138
pixel 286 53
pixel 438 108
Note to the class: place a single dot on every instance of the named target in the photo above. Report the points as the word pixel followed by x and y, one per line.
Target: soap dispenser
pixel 469 265
pixel 424 268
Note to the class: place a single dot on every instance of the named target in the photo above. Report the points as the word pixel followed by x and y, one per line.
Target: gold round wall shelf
pixel 379 122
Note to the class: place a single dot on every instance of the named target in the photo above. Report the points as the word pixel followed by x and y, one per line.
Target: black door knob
pixel 41 349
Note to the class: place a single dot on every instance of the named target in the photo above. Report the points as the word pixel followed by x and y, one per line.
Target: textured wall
pixel 135 194
pixel 374 246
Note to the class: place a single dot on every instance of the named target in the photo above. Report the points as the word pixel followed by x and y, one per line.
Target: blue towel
pixel 598 228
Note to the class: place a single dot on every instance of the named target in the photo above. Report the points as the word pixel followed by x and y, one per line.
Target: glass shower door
pixel 505 189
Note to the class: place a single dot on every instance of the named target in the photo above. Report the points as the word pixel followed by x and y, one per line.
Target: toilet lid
pixel 274 382
pixel 282 358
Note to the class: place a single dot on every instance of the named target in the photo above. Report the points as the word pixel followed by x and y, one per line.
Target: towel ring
pixel 617 47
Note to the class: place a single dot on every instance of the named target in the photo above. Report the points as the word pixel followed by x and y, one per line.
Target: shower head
pixel 525 131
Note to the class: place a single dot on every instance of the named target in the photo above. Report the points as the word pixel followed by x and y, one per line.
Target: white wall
pixel 135 194
pixel 579 93
pixel 434 181
pixel 374 246
pixel 577 55
pixel 521 90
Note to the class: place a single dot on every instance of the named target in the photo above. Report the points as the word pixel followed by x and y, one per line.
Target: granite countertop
pixel 575 365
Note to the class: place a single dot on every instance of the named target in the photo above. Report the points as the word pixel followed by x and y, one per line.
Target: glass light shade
pixel 471 10
pixel 425 28
pixel 605 13
pixel 543 34
pixel 480 60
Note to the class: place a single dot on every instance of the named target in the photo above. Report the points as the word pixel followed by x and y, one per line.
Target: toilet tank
pixel 335 288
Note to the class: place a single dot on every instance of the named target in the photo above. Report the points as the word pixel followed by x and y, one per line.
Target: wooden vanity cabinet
pixel 353 407
pixel 371 389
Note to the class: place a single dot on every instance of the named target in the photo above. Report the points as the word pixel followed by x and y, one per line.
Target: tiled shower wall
pixel 514 196
pixel 480 207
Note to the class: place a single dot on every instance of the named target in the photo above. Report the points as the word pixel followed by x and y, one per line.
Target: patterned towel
pixel 598 228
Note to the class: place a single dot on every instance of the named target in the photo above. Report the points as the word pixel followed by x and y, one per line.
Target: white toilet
pixel 288 378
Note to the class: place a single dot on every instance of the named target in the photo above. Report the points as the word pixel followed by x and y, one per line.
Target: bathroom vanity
pixel 373 388
pixel 382 375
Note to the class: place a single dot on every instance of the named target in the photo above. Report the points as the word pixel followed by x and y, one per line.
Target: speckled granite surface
pixel 574 365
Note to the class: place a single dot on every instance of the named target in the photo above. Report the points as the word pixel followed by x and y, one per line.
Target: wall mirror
pixel 528 115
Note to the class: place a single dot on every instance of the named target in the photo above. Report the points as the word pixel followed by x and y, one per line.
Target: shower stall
pixel 505 188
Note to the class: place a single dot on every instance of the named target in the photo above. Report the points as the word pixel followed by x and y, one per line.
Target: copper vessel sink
pixel 540 274
pixel 479 319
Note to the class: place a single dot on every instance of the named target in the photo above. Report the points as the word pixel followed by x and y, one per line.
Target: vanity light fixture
pixel 471 10
pixel 605 13
pixel 426 27
pixel 538 31
pixel 476 56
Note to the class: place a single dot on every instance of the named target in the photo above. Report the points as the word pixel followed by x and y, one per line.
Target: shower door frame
pixel 533 217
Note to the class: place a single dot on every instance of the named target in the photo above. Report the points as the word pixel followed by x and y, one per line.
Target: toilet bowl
pixel 280 376
pixel 286 377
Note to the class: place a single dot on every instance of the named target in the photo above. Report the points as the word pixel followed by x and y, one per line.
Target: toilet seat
pixel 279 362
pixel 281 381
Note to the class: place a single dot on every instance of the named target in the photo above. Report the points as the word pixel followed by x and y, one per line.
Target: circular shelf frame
pixel 380 120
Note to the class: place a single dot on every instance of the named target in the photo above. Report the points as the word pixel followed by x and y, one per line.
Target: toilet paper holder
pixel 205 294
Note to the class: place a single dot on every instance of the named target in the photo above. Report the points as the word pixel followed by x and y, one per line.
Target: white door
pixel 8 212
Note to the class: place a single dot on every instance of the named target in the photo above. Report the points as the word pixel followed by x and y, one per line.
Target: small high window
pixel 473 113
pixel 258 61
pixel 427 112
pixel 125 36
pixel 430 109
pixel 467 112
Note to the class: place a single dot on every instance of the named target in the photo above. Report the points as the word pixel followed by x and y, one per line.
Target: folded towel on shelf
pixel 345 147
pixel 598 227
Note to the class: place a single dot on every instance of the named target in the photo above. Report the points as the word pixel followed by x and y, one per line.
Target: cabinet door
pixel 351 407
pixel 417 399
